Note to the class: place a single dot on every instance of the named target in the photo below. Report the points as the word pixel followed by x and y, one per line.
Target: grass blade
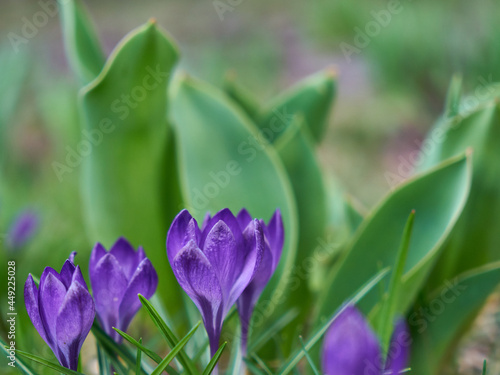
pixel 169 335
pixel 262 364
pixel 484 367
pixel 113 350
pixel 25 369
pixel 295 359
pixel 253 369
pixel 166 361
pixel 44 362
pixel 277 326
pixel 308 357
pixel 138 361
pixel 155 357
pixel 213 362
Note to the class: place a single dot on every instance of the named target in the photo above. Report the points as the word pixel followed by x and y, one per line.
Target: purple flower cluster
pixel 229 260
pixel 63 311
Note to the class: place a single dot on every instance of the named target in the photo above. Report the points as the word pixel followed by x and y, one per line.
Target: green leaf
pixel 290 364
pixel 449 312
pixel 138 368
pixel 80 40
pixel 213 362
pixel 128 183
pixel 168 334
pixel 308 357
pixel 44 362
pixel 296 149
pixel 390 305
pixel 453 97
pixel 438 197
pixel 175 350
pixel 242 97
pixel 113 350
pixel 155 357
pixel 311 98
pixel 23 367
pixel 272 330
pixel 221 157
pixel 474 240
pixel 484 367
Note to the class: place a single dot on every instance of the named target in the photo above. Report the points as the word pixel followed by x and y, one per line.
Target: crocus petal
pixel 67 271
pixel 95 256
pixel 144 281
pixel 228 218
pixel 399 349
pixel 31 302
pixel 123 251
pixel 109 284
pixel 252 292
pixel 351 347
pixel 196 276
pixel 252 257
pixel 52 293
pixel 73 324
pixel 244 218
pixel 224 256
pixel 184 228
pixel 275 234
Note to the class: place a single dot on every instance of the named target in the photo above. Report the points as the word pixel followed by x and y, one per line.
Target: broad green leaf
pixel 448 313
pixel 224 163
pixel 296 149
pixel 175 350
pixel 169 336
pixel 213 362
pixel 311 98
pixel 475 241
pixel 128 184
pixel 80 40
pixel 437 197
pixel 48 364
pixel 390 304
pixel 358 295
pixel 241 96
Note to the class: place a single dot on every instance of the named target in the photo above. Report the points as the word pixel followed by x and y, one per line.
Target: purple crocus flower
pixel 352 348
pixel 117 277
pixel 214 265
pixel 23 228
pixel 62 310
pixel 274 235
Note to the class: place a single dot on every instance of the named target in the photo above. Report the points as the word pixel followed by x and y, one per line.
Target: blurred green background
pixel 390 92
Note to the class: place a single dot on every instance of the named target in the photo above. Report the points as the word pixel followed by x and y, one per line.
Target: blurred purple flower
pixel 62 310
pixel 274 235
pixel 352 348
pixel 214 265
pixel 117 277
pixel 23 228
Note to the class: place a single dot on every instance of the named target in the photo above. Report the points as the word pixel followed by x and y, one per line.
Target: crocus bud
pixel 23 228
pixel 214 265
pixel 117 277
pixel 62 310
pixel 352 348
pixel 274 235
